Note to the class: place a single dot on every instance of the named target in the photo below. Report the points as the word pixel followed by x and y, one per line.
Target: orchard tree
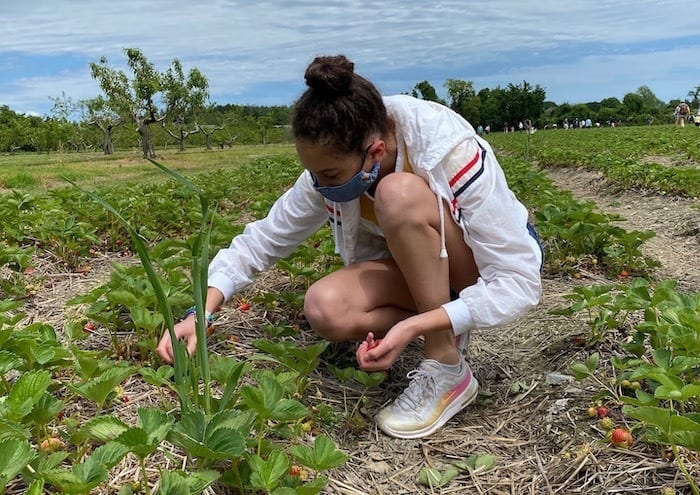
pixel 98 113
pixel 208 130
pixel 13 130
pixel 145 98
pixel 135 99
pixel 185 97
pixel 58 130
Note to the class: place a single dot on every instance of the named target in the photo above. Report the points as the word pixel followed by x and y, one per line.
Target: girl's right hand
pixel 184 329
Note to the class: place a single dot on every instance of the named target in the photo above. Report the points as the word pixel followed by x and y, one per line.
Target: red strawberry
pixel 621 438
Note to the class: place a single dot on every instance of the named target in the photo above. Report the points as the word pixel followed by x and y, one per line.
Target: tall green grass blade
pixel 200 263
pixel 140 246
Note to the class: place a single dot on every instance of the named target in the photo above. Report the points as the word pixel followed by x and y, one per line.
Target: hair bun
pixel 330 75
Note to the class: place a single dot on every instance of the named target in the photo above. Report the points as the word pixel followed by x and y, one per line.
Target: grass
pixel 38 172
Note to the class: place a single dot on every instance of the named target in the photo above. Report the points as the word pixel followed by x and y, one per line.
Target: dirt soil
pixel 543 440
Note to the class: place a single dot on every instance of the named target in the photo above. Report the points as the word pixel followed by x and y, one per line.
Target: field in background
pixel 36 172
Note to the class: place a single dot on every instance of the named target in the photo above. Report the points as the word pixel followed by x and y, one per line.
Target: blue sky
pixel 255 52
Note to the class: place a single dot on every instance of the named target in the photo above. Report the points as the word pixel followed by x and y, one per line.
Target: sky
pixel 254 52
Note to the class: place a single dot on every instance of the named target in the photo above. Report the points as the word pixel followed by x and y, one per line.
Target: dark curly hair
pixel 339 108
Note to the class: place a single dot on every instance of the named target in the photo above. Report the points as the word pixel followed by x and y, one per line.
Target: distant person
pixel 697 118
pixel 433 240
pixel 683 113
pixel 480 130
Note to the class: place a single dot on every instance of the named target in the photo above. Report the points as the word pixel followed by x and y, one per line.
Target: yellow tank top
pixel 367 202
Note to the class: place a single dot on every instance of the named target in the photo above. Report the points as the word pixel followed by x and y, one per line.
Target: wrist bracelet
pixel 209 317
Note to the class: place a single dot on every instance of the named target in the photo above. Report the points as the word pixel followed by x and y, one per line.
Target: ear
pixel 377 150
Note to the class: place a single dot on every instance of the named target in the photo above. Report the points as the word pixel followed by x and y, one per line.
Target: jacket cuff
pixel 459 315
pixel 220 281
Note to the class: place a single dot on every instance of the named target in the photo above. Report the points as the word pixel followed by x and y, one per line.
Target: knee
pixel 395 200
pixel 402 200
pixel 325 310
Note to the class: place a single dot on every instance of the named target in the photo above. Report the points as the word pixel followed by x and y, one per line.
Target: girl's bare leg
pixel 370 296
pixel 408 214
pixel 375 295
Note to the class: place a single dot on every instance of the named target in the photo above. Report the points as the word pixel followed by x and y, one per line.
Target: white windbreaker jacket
pixel 494 222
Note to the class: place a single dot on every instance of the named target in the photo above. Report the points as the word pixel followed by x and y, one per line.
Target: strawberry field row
pixel 661 159
pixel 252 432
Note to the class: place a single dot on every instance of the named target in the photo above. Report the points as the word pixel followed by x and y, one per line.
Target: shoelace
pixel 411 398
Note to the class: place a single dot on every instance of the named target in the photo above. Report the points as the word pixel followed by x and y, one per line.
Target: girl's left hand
pixel 379 354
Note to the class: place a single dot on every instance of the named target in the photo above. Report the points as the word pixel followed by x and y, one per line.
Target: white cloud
pixel 242 45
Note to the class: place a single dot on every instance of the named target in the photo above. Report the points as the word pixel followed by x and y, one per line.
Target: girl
pixel 433 241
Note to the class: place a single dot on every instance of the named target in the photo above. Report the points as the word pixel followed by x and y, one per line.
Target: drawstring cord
pixel 335 228
pixel 441 210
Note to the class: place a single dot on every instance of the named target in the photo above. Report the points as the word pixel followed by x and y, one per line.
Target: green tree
pixel 13 128
pixel 524 102
pixel 580 111
pixel 98 113
pixel 649 100
pixel 463 99
pixel 186 98
pixel 58 130
pixel 425 91
pixel 146 98
pixel 694 95
pixel 632 107
pixel 613 103
pixel 135 99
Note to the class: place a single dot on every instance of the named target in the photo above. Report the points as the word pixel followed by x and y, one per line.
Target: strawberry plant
pixel 664 355
pixel 620 154
pixel 209 429
pixel 290 356
pixel 574 233
pixel 367 380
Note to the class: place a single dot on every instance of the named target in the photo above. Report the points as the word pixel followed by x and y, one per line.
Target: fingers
pixel 183 330
pixel 372 356
pixel 191 345
pixel 165 348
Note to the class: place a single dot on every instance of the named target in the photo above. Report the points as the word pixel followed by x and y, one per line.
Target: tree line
pixel 149 109
pixel 501 107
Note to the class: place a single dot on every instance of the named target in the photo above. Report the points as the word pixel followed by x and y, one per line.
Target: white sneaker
pixel 432 397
